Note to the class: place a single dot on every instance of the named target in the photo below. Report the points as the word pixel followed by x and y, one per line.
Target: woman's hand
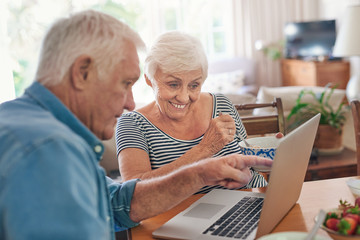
pixel 221 131
pixel 279 135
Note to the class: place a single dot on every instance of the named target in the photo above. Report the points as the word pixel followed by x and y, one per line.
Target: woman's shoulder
pixel 222 100
pixel 141 112
pixel 217 97
pixel 133 116
pixel 221 97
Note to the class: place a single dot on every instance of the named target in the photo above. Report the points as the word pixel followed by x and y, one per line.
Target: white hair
pixel 176 52
pixel 88 32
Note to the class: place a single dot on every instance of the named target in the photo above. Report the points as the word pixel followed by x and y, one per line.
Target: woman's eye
pixel 194 86
pixel 173 85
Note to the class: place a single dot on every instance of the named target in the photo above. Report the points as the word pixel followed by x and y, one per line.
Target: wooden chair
pixel 264 124
pixel 355 107
pixel 123 235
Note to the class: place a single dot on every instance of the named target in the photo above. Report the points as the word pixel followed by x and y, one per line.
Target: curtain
pixel 264 20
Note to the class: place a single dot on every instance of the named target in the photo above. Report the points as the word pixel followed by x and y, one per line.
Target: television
pixel 310 40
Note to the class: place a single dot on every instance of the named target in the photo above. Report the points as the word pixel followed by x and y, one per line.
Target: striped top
pixel 134 130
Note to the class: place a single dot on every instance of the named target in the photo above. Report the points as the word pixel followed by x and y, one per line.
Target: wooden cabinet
pixel 310 73
pixel 343 164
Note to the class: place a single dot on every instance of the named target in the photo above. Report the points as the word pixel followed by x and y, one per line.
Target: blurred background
pixel 227 29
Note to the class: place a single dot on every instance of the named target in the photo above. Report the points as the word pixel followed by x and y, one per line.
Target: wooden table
pixel 315 195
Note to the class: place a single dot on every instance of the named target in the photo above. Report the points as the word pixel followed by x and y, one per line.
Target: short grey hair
pixel 175 52
pixel 88 32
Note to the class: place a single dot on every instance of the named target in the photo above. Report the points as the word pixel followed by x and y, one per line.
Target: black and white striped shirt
pixel 134 130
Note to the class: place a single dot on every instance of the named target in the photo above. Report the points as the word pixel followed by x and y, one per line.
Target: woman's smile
pixel 178 106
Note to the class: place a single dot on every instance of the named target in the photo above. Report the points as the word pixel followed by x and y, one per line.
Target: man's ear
pixel 80 71
pixel 148 81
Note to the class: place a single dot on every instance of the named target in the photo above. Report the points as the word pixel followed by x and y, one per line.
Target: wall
pixel 7 91
pixel 264 20
pixel 335 9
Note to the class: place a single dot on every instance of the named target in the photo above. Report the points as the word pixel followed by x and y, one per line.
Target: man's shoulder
pixel 23 125
pixel 29 119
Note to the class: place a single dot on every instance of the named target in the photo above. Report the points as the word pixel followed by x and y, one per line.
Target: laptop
pixel 204 219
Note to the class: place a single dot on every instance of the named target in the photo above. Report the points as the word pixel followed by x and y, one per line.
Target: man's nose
pixel 129 101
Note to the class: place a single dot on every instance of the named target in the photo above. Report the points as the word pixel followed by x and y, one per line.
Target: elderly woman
pixel 183 125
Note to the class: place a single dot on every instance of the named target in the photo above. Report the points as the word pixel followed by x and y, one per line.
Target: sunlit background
pixel 24 23
pixel 227 29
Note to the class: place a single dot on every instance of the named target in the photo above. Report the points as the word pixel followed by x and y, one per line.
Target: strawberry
pixel 357 201
pixel 331 215
pixel 357 231
pixel 332 223
pixel 354 216
pixel 344 204
pixel 347 226
pixel 353 212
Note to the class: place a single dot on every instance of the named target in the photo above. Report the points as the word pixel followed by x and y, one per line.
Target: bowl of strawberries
pixel 343 223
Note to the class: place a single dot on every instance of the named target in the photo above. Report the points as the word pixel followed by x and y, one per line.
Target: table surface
pixel 315 195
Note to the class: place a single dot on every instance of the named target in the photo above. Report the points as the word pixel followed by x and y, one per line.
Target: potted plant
pixel 273 50
pixel 329 135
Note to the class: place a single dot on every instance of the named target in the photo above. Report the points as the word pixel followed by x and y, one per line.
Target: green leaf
pixel 302 110
pixel 297 108
pixel 344 226
pixel 354 210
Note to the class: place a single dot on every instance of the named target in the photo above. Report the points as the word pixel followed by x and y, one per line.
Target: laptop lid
pixel 287 174
pixel 285 183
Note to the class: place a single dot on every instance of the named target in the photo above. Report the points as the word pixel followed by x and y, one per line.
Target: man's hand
pixel 230 171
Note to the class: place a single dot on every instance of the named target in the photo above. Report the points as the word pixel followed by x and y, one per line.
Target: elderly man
pixel 51 184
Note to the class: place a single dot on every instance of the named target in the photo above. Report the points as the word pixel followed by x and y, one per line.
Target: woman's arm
pixel 135 162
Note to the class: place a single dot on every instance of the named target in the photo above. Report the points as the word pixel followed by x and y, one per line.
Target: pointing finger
pixel 245 161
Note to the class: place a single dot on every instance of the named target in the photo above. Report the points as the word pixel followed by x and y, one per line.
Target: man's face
pixel 109 97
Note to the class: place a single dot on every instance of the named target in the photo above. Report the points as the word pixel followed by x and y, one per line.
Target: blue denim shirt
pixel 51 184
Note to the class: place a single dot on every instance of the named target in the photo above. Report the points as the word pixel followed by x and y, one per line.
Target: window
pixel 210 21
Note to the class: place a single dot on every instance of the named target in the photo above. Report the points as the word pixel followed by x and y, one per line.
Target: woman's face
pixel 176 93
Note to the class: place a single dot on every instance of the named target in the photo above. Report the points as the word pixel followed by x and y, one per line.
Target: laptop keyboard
pixel 239 221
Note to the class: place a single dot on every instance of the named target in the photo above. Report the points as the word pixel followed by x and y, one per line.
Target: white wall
pixel 264 20
pixel 7 90
pixel 335 9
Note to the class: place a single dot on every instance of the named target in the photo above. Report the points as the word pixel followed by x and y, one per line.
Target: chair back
pixel 263 124
pixel 355 107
